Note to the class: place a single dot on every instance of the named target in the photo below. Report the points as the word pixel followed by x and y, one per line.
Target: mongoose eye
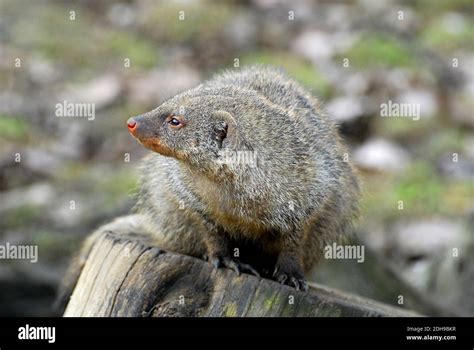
pixel 175 122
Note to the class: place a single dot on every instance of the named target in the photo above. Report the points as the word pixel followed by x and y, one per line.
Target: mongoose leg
pixel 246 267
pixel 288 271
pixel 233 264
pixel 288 268
pixel 219 254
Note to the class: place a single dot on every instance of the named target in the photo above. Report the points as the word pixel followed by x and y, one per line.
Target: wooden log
pixel 123 275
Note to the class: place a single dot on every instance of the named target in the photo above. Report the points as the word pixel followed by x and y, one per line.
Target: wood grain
pixel 122 275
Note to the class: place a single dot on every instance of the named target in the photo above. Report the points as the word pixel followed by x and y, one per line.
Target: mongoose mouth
pixel 156 145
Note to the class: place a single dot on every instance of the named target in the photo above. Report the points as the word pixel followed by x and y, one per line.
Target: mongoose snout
pixel 141 128
pixel 146 129
pixel 131 123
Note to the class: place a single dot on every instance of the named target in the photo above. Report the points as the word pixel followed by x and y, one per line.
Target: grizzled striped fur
pixel 297 195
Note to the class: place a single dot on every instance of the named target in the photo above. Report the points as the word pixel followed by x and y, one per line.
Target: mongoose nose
pixel 132 124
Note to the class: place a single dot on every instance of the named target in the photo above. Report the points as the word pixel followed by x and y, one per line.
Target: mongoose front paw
pixel 287 271
pixel 233 264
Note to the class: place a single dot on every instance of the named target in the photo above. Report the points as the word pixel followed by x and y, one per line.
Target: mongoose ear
pixel 225 129
pixel 220 131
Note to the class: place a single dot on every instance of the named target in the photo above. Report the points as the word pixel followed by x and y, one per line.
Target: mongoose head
pixel 188 127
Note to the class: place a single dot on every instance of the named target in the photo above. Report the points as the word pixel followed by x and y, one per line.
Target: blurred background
pixel 127 57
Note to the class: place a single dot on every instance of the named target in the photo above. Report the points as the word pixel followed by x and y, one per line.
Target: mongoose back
pixel 247 171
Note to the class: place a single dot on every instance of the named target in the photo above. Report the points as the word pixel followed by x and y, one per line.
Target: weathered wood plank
pixel 125 276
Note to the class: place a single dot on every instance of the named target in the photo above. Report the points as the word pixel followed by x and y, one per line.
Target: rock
pixel 463 106
pixel 41 161
pixel 346 108
pixel 371 279
pixel 319 46
pixel 352 114
pixel 338 16
pixel 454 23
pixel 122 14
pixel 398 79
pixel 71 141
pixel 64 215
pixel 314 45
pixel 415 246
pixel 355 84
pixel 425 238
pixel 154 87
pixel 42 72
pixel 374 7
pixel 433 255
pixel 381 155
pixel 13 174
pixel 102 91
pixel 449 271
pixel 462 169
pixel 424 97
pixel 303 9
pixel 242 30
pixel 14 104
pixel 410 21
pixel 39 194
pixel 469 146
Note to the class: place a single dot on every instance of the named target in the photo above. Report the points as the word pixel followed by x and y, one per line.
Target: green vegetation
pixel 298 68
pixel 429 7
pixel 112 189
pixel 403 127
pixel 70 43
pixel 54 246
pixel 13 127
pixel 201 21
pixel 422 191
pixel 22 215
pixel 443 141
pixel 419 188
pixel 118 186
pixel 142 53
pixel 444 37
pixel 77 45
pixel 379 50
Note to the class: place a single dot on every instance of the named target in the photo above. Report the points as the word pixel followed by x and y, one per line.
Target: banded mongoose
pixel 247 171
